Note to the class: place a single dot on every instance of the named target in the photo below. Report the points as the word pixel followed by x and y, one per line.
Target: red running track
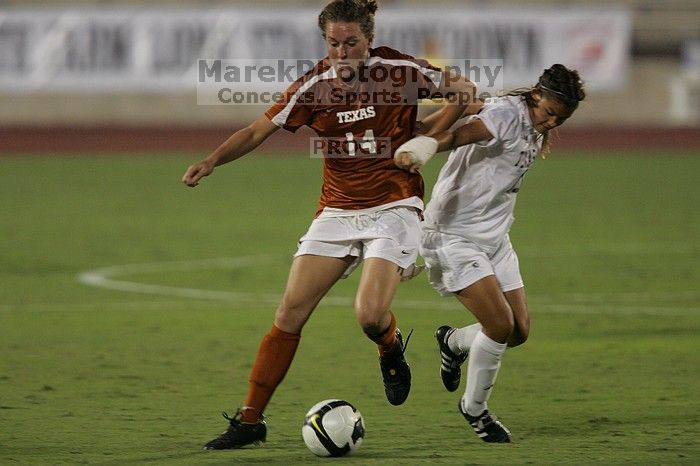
pixel 72 140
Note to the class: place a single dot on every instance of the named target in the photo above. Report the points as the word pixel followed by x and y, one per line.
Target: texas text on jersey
pixel 360 124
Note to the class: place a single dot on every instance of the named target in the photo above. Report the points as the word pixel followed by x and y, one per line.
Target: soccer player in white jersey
pixel 465 240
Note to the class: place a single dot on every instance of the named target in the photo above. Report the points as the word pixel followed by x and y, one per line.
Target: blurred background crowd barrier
pixel 128 64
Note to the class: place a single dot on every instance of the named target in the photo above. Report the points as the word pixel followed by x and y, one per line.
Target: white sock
pixel 461 339
pixel 484 361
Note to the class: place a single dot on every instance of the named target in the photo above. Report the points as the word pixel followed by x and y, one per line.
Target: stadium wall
pixel 645 100
pixel 202 140
pixel 636 113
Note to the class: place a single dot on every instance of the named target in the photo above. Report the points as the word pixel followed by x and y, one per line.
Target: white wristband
pixel 420 149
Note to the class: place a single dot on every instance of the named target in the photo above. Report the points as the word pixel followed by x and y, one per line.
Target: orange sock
pixel 386 340
pixel 274 358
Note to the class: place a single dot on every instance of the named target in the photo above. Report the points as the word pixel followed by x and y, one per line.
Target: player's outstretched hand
pixel 413 154
pixel 196 172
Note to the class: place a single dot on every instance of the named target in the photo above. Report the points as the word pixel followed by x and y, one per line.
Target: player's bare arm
pixel 235 147
pixel 427 124
pixel 458 93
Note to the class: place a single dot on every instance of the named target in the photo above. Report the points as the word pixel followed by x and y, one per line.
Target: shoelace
pixel 236 417
pixel 405 345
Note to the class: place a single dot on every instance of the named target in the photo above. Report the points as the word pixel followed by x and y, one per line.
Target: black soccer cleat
pixel 450 363
pixel 487 426
pixel 396 373
pixel 238 434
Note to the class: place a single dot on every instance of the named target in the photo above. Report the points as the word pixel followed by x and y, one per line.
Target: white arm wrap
pixel 421 149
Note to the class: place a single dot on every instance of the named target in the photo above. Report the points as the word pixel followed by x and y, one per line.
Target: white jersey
pixel 474 196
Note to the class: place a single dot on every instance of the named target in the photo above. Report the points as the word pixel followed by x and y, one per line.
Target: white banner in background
pixel 158 50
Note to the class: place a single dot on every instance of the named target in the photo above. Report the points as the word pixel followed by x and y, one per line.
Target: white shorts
pixel 454 263
pixel 392 234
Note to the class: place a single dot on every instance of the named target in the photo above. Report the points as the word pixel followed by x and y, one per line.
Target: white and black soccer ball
pixel 333 428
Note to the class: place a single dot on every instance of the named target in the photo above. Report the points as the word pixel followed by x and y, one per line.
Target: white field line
pixel 104 278
pixel 575 303
pixel 640 297
pixel 615 249
pixel 572 303
pixel 100 306
pixel 439 304
pixel 613 309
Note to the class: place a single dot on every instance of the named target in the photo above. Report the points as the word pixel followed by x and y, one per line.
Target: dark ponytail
pixel 565 85
pixel 559 83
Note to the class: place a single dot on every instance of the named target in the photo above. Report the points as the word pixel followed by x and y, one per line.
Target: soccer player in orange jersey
pixel 362 103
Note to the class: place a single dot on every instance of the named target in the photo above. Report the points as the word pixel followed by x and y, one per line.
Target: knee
pixel 521 332
pixel 500 327
pixel 372 317
pixel 517 339
pixel 291 315
pixel 524 330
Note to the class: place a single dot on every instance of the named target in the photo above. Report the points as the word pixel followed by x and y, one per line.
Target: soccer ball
pixel 333 428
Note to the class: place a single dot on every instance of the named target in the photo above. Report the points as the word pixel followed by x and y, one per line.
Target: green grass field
pixel 138 373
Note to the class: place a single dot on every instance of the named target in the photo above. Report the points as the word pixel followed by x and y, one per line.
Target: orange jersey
pixel 360 126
